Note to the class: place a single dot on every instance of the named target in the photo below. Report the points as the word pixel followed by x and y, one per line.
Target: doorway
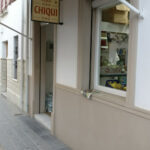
pixel 46 75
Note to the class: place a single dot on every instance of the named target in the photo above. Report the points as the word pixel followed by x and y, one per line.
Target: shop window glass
pixel 112 48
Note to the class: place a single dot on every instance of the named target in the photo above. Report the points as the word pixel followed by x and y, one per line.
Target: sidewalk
pixel 20 132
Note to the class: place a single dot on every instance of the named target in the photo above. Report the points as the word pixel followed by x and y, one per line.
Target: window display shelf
pixel 105 47
pixel 112 74
pixel 104 38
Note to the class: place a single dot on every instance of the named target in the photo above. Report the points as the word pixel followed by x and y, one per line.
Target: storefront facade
pixel 72 62
pixel 108 120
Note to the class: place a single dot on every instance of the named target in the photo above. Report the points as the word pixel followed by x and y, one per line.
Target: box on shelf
pixel 117 14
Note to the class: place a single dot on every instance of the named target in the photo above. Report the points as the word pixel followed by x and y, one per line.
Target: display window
pixel 111 51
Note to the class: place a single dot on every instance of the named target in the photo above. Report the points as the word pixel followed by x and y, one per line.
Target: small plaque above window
pixel 45 11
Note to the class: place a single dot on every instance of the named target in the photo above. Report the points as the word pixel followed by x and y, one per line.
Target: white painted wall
pixel 67 45
pixel 142 97
pixel 12 19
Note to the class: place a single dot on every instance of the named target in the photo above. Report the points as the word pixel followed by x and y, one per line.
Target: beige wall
pixel 91 125
pixel 13 85
pixel 8 84
pixel 3 75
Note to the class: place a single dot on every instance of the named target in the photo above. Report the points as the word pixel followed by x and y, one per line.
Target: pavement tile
pixel 20 132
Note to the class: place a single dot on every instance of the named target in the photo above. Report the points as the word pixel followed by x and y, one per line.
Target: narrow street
pixel 20 132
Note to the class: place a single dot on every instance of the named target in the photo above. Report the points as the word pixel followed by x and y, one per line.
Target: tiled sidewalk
pixel 20 132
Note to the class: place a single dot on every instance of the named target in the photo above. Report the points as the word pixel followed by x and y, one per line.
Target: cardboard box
pixel 118 14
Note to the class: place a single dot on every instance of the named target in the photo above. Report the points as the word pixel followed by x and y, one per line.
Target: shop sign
pixel 45 11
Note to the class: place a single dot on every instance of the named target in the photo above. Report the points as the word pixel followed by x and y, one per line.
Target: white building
pixel 13 50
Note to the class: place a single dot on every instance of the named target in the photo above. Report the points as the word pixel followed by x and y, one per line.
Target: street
pixel 20 132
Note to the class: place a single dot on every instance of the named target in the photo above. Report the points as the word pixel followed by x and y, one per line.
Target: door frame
pixel 34 82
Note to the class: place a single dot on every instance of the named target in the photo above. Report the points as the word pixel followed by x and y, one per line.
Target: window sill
pixel 118 102
pixel 111 91
pixel 15 80
pixel 111 98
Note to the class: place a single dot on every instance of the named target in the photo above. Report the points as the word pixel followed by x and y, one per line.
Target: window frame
pixel 15 57
pixel 97 60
